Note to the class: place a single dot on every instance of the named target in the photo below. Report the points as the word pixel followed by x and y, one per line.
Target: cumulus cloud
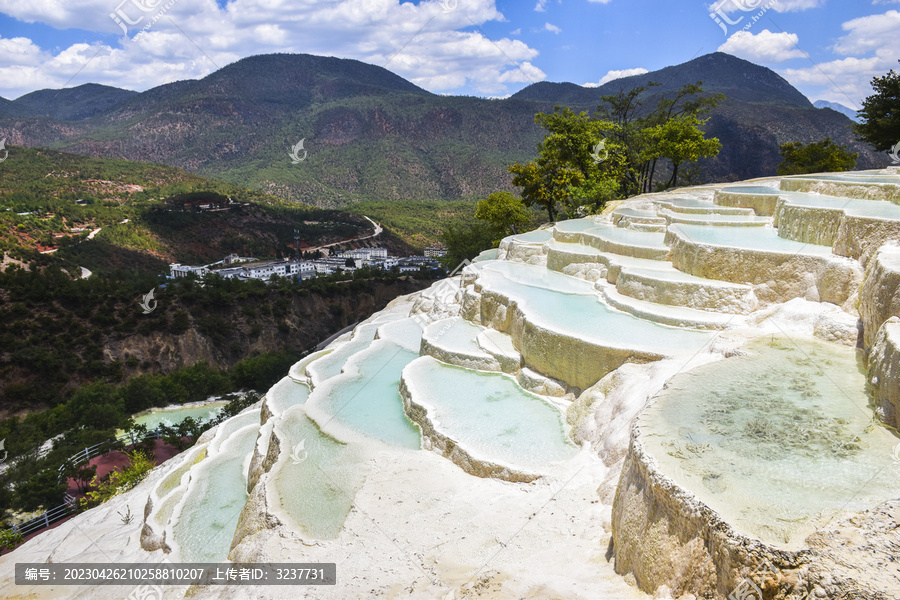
pixel 617 74
pixel 763 47
pixel 848 80
pixel 873 33
pixel 423 42
pixel 552 28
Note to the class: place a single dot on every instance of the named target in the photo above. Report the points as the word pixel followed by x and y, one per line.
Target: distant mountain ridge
pixel 839 108
pixel 69 104
pixel 722 73
pixel 372 135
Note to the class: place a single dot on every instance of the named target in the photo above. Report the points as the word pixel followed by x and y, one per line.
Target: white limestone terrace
pixel 853 227
pixel 761 199
pixel 193 511
pixel 497 430
pixel 884 371
pixel 562 329
pixel 863 185
pixel 478 439
pixel 779 269
pixel 459 342
pixel 697 206
pixel 728 220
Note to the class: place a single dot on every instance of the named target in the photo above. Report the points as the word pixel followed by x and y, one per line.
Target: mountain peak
pixel 287 77
pixel 844 110
pixel 722 73
pixel 70 104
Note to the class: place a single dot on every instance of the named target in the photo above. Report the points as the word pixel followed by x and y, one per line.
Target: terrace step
pixel 697 206
pixel 674 288
pixel 850 225
pixel 759 198
pixel 625 216
pixel 674 316
pixel 863 187
pixel 713 219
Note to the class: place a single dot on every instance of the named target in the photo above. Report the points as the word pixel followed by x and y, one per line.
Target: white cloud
pixel 541 5
pixel 421 42
pixel 764 47
pixel 848 80
pixel 600 1
pixel 516 31
pixel 612 75
pixel 869 48
pixel 873 33
pixel 552 28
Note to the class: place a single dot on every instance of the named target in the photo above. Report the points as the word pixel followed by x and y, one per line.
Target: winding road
pixel 378 230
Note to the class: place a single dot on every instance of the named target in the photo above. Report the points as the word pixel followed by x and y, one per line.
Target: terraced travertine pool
pixel 852 206
pixel 778 442
pixel 172 415
pixel 495 420
pixel 285 394
pixel 365 397
pixel 571 306
pixel 207 514
pixel 331 364
pixel 750 238
pixel 314 482
pixel 751 189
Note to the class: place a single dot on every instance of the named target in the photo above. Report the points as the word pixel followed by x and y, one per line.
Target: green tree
pixel 465 243
pixel 671 131
pixel 506 213
pixel 584 161
pixel 680 140
pixel 564 160
pixel 881 113
pixel 139 464
pixel 817 157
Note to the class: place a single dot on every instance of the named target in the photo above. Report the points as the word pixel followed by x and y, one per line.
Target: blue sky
pixel 829 49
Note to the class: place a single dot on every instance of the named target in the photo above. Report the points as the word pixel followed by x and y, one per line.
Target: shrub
pixel 9 539
pixel 117 482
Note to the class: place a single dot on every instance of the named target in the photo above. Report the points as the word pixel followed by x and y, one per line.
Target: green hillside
pixel 371 136
pixel 52 201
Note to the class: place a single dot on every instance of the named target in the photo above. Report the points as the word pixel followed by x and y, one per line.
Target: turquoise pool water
pixel 853 206
pixel 751 238
pixel 366 397
pixel 173 415
pixel 752 189
pixel 778 442
pixel 536 236
pixel 209 510
pixel 490 415
pixel 316 481
pixel 577 311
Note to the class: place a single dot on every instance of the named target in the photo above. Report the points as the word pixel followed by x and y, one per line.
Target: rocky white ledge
pixel 884 371
pixel 879 298
pixel 778 272
pixel 848 188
